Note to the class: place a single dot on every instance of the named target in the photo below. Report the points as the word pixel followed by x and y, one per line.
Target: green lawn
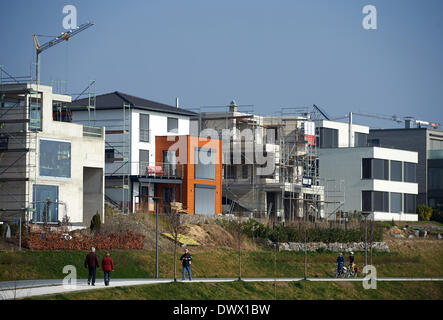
pixel 240 290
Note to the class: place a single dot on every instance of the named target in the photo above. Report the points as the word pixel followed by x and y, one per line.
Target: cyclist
pixel 340 262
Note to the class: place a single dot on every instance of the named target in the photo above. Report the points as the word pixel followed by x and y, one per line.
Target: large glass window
pixel 144 127
pixel 375 201
pixel 45 199
pixel 396 202
pixel 410 170
pixel 380 169
pixel 435 181
pixel 380 201
pixel 328 138
pixel 375 169
pixel 170 162
pixel 205 163
pixel 55 158
pixel 410 203
pixel 361 139
pixel 396 171
pixel 173 125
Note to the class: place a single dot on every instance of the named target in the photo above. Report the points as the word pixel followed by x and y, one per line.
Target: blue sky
pixel 271 54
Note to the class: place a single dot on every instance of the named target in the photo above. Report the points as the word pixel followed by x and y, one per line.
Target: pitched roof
pixel 115 100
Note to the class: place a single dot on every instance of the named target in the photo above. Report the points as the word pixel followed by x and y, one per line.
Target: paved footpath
pixel 29 288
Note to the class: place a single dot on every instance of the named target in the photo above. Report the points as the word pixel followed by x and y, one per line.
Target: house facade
pixel 52 172
pixel 138 167
pixel 382 181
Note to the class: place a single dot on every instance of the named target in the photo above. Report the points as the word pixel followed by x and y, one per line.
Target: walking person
pixel 108 267
pixel 91 262
pixel 186 261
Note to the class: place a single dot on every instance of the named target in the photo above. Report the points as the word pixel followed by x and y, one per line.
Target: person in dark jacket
pixel 186 261
pixel 340 263
pixel 108 267
pixel 91 262
pixel 351 260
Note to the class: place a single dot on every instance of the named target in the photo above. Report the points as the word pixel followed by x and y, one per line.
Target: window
pixel 435 181
pixel 245 171
pixel 144 127
pixel 170 162
pixel 45 211
pixel 328 138
pixel 410 203
pixel 173 125
pixel 435 144
pixel 109 155
pixel 410 170
pixel 380 169
pixel 205 163
pixel 361 139
pixel 366 203
pixel 396 202
pixel 55 159
pixel 396 171
pixel 374 142
pixel 367 168
pixel 375 201
pixel 143 160
pixel 375 169
pixel 35 117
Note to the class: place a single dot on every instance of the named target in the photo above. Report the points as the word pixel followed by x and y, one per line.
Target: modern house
pixel 51 171
pixel 196 165
pixel 378 180
pixel 429 145
pixel 137 169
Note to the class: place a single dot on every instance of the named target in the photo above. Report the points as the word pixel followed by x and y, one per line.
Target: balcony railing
pixel 91 131
pixel 161 170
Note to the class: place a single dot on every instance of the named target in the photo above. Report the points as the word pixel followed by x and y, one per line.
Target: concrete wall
pixel 93 181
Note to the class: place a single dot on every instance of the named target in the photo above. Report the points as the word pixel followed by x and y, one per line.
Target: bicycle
pixel 340 273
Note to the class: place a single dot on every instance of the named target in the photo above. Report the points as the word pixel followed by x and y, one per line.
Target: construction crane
pixel 65 36
pixel 407 120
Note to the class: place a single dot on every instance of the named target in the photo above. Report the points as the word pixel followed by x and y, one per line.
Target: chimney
pixel 176 102
pixel 233 106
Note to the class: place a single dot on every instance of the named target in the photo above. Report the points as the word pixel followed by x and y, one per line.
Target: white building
pixel 132 123
pixel 42 159
pixel 377 180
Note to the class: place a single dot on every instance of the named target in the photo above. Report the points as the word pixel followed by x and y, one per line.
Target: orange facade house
pixel 198 161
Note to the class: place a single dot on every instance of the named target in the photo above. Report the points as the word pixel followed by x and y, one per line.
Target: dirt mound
pixel 209 234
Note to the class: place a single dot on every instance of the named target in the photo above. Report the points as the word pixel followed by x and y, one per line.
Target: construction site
pixel 270 163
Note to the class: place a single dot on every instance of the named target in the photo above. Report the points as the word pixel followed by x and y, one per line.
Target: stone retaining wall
pixel 334 247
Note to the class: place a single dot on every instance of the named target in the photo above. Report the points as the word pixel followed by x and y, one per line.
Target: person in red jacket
pixel 108 267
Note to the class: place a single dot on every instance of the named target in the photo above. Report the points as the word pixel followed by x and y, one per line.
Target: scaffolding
pixel 117 143
pixel 20 121
pixel 293 190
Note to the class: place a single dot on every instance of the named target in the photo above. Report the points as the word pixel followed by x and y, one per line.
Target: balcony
pixel 161 170
pixel 90 131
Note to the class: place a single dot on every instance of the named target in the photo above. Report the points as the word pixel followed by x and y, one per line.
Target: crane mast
pixel 65 36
